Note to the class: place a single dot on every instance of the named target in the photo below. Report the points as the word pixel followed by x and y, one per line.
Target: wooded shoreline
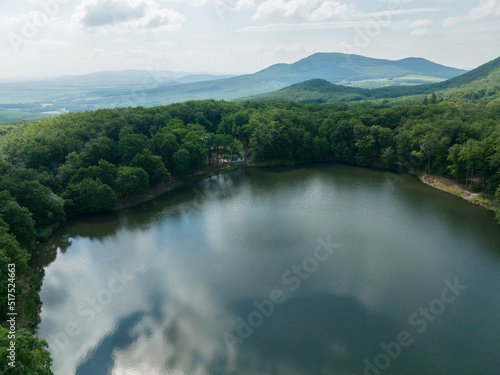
pixel 444 184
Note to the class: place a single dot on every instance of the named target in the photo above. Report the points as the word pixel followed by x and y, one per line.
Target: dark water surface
pixel 325 269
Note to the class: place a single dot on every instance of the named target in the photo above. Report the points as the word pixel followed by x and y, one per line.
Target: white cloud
pixel 120 40
pixel 52 42
pixel 302 26
pixel 420 32
pixel 125 14
pixel 313 10
pixel 36 18
pixel 357 19
pixel 388 14
pixel 226 5
pixel 244 5
pixel 420 23
pixel 399 1
pixel 323 10
pixel 124 52
pixel 332 9
pixel 451 21
pixel 163 43
pixel 485 9
pixel 48 46
pixel 294 48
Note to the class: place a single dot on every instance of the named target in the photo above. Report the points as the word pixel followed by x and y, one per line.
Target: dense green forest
pixel 83 163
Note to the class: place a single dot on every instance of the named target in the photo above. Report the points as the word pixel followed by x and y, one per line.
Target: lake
pixel 321 269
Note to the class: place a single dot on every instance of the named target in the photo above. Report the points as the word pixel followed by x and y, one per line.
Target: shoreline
pixel 164 188
pixel 451 187
pixel 444 184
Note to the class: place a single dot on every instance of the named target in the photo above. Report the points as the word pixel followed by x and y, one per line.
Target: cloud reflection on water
pixel 195 269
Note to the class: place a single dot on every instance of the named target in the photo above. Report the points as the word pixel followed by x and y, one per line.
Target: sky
pixel 43 38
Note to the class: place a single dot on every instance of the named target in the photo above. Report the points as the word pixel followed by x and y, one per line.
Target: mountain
pixel 341 68
pixel 27 99
pixel 334 67
pixel 482 82
pixel 113 78
pixel 142 88
pixel 112 81
pixel 314 91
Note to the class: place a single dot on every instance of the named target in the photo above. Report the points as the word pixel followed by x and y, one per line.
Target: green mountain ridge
pixel 333 67
pixel 100 90
pixel 479 83
pixel 314 91
pixel 338 67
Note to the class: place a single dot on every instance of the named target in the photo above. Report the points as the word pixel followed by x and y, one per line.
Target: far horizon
pixel 52 38
pixel 187 73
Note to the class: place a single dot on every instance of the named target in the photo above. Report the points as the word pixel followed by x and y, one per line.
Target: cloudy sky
pixel 57 37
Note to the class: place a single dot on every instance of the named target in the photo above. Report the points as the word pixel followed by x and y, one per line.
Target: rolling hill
pixel 482 82
pixel 137 88
pixel 314 91
pixel 357 70
pixel 336 68
pixel 32 91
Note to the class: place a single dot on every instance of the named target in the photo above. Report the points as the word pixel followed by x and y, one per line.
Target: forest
pixel 84 163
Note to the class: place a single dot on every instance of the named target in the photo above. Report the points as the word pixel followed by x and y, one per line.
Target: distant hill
pixel 314 91
pixel 120 78
pixel 336 68
pixel 142 88
pixel 341 69
pixel 116 82
pixel 479 83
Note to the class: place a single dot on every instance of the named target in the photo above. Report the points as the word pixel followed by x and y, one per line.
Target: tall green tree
pixel 130 180
pixel 104 171
pixel 182 162
pixel 101 148
pixel 89 196
pixel 472 154
pixel 321 148
pixel 153 165
pixel 389 158
pixel 46 207
pixel 194 144
pixel 19 220
pixel 235 149
pixel 165 145
pixel 131 145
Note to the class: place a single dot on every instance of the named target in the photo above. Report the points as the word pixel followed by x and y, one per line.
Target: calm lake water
pixel 324 269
